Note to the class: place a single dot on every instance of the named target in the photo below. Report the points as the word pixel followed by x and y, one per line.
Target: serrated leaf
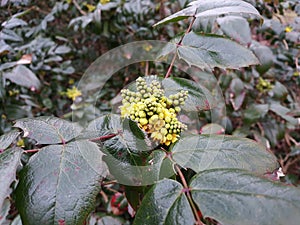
pixel 199 97
pixel 23 76
pixel 165 203
pixel 213 8
pixel 125 146
pixel 8 138
pixel 9 161
pixel 236 28
pixel 202 152
pixel 60 183
pixel 48 130
pixel 209 51
pixel 126 137
pixel 235 197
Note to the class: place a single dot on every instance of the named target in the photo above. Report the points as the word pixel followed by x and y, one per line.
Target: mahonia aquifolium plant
pixel 153 111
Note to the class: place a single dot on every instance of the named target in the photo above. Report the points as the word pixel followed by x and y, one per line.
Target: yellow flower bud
pixel 142 114
pixel 164 131
pixel 143 121
pixel 168 119
pixel 169 137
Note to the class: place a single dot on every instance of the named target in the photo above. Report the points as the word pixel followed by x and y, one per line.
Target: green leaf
pixel 48 130
pixel 202 152
pixel 209 51
pixel 235 197
pixel 165 203
pixel 264 55
pixel 199 97
pixel 17 221
pixel 126 149
pixel 283 112
pixel 120 137
pixel 133 173
pixel 13 22
pixel 255 112
pixel 279 90
pixel 212 128
pixel 238 92
pixel 62 49
pixel 295 151
pixel 4 211
pixel 8 138
pixel 60 183
pixel 213 8
pixel 9 161
pixel 235 27
pixel 23 76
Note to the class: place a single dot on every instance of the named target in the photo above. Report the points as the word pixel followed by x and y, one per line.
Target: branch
pixel 78 7
pixel 32 150
pixel 103 138
pixel 188 195
pixel 179 44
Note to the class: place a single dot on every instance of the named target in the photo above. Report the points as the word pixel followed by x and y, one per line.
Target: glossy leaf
pixel 212 128
pixel 213 8
pixel 60 183
pixel 133 173
pixel 165 203
pixel 202 152
pixel 23 76
pixel 209 51
pixel 199 97
pixel 48 130
pixel 8 138
pixel 235 27
pixel 235 197
pixel 9 161
pixel 119 136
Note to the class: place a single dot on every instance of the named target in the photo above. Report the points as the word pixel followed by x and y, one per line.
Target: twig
pixel 78 7
pixel 146 68
pixel 103 138
pixel 297 61
pixel 32 150
pixel 179 44
pixel 188 195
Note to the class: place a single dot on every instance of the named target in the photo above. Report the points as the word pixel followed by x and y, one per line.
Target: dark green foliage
pixel 107 170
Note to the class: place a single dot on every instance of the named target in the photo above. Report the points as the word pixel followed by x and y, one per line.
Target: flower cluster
pixel 264 85
pixel 154 112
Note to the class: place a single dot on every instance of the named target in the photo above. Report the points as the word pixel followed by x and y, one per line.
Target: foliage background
pixel 45 47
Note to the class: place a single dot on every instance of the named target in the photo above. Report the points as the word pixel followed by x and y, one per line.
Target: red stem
pixel 32 150
pixel 178 44
pixel 103 138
